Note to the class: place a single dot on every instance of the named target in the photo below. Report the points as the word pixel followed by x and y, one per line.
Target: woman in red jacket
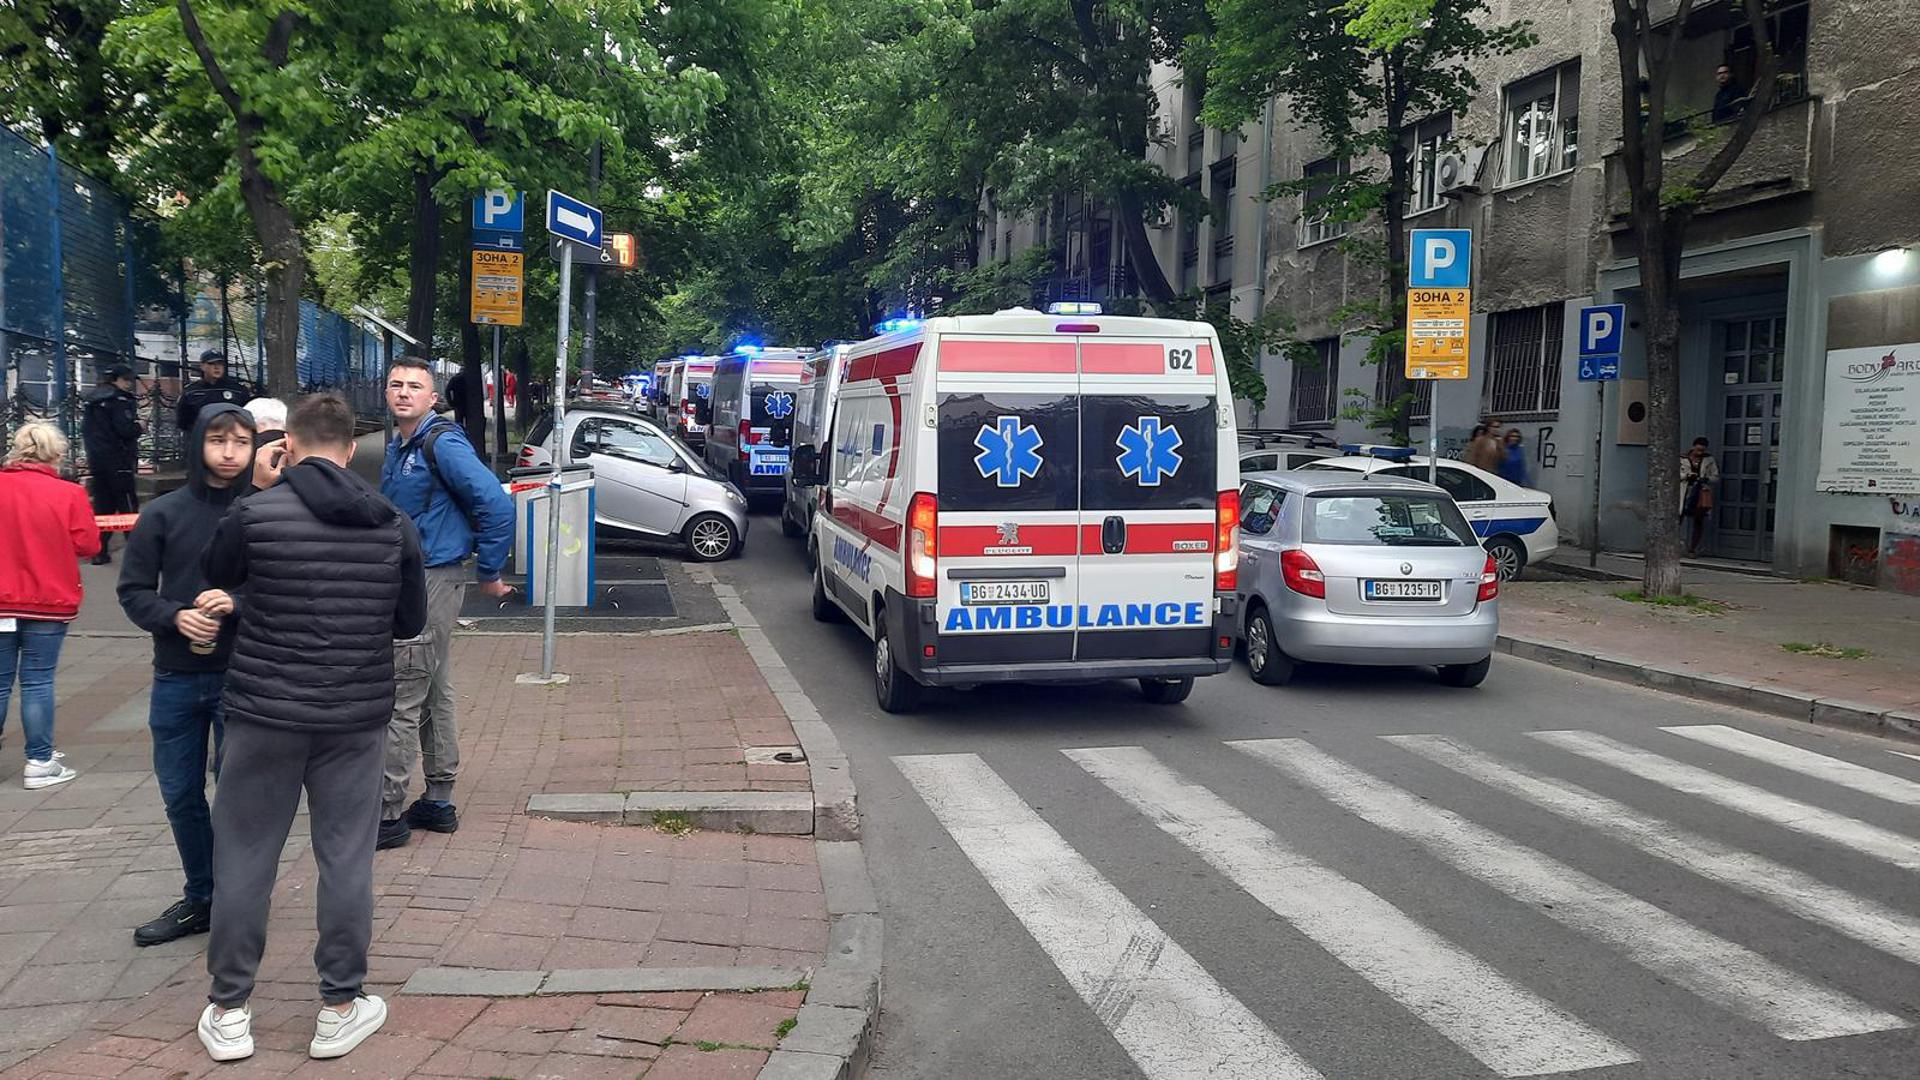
pixel 46 527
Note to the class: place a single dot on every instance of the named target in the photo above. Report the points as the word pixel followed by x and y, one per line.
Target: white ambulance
pixel 1028 497
pixel 690 401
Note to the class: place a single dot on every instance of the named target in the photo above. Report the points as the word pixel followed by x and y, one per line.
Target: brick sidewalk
pixel 82 864
pixel 1741 641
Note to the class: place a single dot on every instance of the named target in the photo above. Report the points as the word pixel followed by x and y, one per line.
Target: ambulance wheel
pixel 711 537
pixel 824 609
pixel 1166 691
pixel 1268 665
pixel 895 689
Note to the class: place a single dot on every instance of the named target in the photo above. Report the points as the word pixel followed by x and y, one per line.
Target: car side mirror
pixel 806 466
pixel 676 466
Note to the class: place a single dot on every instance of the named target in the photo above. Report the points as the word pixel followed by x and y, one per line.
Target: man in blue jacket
pixel 432 474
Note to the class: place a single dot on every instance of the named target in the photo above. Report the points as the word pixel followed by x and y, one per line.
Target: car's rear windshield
pixel 1385 519
pixel 772 403
pixel 542 428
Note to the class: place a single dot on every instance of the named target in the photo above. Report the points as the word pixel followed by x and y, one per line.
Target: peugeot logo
pixel 1406 568
pixel 1009 533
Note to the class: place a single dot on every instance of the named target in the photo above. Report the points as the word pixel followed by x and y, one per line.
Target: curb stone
pixel 832 1038
pixel 1898 722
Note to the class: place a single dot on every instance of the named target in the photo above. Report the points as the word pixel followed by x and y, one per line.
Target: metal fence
pixel 83 287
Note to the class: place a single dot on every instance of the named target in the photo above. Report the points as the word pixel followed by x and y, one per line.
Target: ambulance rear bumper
pixel 1042 658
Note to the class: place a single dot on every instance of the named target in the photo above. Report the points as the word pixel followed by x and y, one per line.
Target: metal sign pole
pixel 1599 439
pixel 499 406
pixel 1433 435
pixel 559 459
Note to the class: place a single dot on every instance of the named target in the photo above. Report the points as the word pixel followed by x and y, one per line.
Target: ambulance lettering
pixel 1069 616
pixel 853 558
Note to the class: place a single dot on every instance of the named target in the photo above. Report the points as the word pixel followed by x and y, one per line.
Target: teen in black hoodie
pixel 161 587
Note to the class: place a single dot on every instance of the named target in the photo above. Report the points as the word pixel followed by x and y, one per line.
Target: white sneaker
pixel 335 1035
pixel 227 1037
pixel 45 774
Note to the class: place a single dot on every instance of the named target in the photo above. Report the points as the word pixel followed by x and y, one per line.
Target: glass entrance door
pixel 1752 369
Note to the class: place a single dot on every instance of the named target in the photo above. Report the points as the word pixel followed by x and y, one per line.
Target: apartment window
pixel 1543 124
pixel 1787 30
pixel 1225 173
pixel 1384 392
pixel 1424 143
pixel 1523 364
pixel 1009 248
pixel 1190 236
pixel 1315 226
pixel 1315 399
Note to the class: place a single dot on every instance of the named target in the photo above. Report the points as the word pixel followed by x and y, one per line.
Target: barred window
pixel 1316 386
pixel 1384 376
pixel 1523 364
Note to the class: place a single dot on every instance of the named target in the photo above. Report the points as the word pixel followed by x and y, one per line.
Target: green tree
pixel 1356 71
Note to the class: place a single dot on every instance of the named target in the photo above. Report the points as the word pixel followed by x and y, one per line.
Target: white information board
pixel 1870 430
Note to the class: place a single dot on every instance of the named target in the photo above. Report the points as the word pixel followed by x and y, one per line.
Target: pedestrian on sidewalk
pixel 331 574
pixel 269 441
pixel 164 592
pixel 433 474
pixel 1485 451
pixel 1699 479
pixel 46 526
pixel 111 431
pixel 213 387
pixel 1513 458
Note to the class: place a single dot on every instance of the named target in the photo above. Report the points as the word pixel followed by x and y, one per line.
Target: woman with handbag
pixel 1699 478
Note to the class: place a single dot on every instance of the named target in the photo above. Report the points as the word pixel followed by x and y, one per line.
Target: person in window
pixel 1729 101
pixel 1699 475
pixel 1513 458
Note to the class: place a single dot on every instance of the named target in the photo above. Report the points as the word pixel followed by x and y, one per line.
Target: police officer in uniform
pixel 213 387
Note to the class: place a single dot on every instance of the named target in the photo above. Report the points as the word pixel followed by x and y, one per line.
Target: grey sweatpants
pixel 261 778
pixel 423 727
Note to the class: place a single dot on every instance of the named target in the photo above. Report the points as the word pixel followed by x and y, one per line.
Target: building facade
pixel 1801 268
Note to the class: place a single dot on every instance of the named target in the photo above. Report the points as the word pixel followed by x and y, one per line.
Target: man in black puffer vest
pixel 328 574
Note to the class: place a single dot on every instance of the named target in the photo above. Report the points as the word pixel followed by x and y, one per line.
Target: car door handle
pixel 1113 534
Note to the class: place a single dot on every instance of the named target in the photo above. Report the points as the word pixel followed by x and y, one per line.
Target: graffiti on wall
pixel 1904 509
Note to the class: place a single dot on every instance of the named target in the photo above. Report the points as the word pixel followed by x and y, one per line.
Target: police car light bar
pixel 1075 307
pixel 1384 453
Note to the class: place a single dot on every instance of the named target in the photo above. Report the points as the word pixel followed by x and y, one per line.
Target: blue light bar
pixel 747 350
pixel 1075 307
pixel 1384 453
pixel 894 326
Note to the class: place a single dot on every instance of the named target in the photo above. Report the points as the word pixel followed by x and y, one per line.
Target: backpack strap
pixel 433 460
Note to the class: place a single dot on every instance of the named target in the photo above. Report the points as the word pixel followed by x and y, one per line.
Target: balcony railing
pixel 1776 163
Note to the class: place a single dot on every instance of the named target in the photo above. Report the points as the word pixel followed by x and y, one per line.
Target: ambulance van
pixel 690 401
pixel 663 374
pixel 754 393
pixel 813 408
pixel 1028 497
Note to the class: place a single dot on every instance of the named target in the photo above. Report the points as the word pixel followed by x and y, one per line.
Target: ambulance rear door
pixel 1007 408
pixel 1149 480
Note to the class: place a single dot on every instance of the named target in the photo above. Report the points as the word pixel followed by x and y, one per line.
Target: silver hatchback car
pixel 646 481
pixel 1368 570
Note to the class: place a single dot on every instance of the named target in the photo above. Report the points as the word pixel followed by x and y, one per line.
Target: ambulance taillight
pixel 922 525
pixel 1226 542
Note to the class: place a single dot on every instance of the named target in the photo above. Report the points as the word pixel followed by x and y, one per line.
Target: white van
pixel 689 402
pixel 1028 497
pixel 753 400
pixel 657 400
pixel 813 408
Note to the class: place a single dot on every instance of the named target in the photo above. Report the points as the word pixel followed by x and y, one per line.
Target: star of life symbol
pixel 1149 451
pixel 779 404
pixel 704 390
pixel 1009 532
pixel 1009 451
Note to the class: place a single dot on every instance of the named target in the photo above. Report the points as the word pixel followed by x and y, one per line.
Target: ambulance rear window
pixel 1142 452
pixel 1009 451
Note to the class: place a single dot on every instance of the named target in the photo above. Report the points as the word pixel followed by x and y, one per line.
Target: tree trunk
pixel 423 259
pixel 1399 389
pixel 1660 246
pixel 1146 265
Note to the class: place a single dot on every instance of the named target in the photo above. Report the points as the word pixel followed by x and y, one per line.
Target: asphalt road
pixel 1627 902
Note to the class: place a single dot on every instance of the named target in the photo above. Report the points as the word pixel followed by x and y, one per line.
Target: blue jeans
pixel 32 651
pixel 186 714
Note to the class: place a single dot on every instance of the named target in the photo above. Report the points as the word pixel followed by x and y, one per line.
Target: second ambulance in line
pixel 1028 497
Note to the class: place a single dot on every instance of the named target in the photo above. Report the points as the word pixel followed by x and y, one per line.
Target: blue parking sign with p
pixel 499 211
pixel 1441 259
pixel 1600 329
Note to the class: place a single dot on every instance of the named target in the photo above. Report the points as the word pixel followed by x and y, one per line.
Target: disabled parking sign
pixel 1601 328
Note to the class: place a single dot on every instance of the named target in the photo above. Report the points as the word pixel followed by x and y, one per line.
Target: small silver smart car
pixel 1371 570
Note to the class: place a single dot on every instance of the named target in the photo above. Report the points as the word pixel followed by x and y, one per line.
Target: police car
pixel 1029 497
pixel 1515 524
pixel 753 397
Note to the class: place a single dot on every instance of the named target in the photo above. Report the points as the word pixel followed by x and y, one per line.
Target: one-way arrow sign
pixel 570 219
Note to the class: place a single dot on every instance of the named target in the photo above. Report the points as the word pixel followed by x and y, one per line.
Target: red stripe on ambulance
pixel 974 354
pixel 890 364
pixel 1154 538
pixel 989 540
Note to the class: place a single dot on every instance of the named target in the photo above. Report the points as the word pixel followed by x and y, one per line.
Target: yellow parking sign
pixel 497 278
pixel 1438 322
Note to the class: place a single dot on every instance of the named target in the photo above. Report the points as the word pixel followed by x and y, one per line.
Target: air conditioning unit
pixel 1457 172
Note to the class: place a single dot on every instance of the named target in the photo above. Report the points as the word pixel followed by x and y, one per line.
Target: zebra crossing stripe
pixel 1787 756
pixel 1175 1020
pixel 1718 970
pixel 1860 836
pixel 1508 1028
pixel 1861 919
